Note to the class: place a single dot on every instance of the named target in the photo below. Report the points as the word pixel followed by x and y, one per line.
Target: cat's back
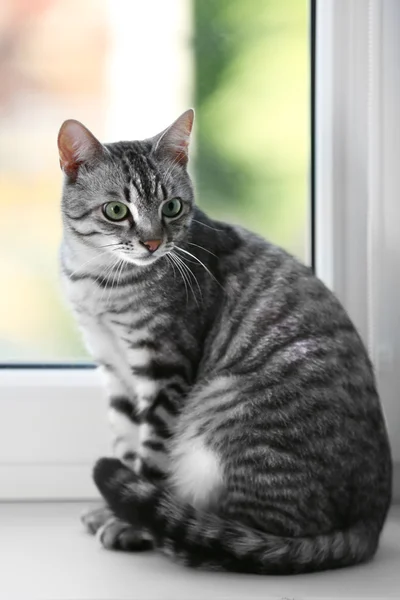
pixel 300 386
pixel 282 327
pixel 273 300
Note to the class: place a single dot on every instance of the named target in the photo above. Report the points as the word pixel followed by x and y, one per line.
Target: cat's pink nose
pixel 152 245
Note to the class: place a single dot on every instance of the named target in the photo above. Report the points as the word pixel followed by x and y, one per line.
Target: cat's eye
pixel 171 208
pixel 115 211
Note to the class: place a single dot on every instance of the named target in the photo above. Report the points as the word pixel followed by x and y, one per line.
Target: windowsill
pixel 45 554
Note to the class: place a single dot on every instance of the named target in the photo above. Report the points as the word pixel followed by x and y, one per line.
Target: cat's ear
pixel 173 142
pixel 77 146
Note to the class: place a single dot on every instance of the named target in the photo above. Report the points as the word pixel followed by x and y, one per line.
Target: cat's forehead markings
pixel 153 179
pixel 127 193
pixel 133 202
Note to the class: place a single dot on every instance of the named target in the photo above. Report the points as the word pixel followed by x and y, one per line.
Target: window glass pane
pixel 126 69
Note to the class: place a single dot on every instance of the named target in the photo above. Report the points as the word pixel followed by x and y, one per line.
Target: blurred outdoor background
pixel 127 69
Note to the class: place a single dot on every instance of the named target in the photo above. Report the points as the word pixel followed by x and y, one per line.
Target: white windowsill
pixel 45 554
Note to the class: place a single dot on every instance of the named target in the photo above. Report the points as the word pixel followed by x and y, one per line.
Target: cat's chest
pixel 87 295
pixel 107 324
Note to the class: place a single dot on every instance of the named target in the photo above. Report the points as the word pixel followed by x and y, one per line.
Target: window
pixel 245 67
pixel 127 69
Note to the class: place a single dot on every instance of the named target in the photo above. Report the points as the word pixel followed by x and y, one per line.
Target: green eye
pixel 172 208
pixel 115 211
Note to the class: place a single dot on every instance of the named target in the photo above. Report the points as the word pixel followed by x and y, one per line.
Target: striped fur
pixel 242 401
pixel 209 540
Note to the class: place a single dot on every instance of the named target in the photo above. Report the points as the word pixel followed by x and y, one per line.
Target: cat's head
pixel 133 199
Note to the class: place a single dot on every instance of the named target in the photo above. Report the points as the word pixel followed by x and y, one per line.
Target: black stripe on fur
pixel 124 406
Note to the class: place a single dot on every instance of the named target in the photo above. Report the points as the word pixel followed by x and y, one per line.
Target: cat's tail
pixel 200 539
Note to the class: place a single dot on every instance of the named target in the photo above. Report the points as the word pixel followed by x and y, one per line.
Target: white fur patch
pixel 138 357
pixel 145 432
pixel 145 388
pixel 113 385
pixel 196 473
pixel 222 382
pixel 132 206
pixel 120 424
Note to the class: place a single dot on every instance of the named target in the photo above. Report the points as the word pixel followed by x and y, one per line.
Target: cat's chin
pixel 142 262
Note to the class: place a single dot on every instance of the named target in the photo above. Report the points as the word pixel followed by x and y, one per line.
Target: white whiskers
pixel 205 249
pixel 109 272
pixel 170 262
pixel 178 266
pixel 204 225
pixel 189 273
pixel 201 263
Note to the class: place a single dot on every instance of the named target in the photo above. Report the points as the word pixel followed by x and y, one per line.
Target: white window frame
pixel 52 428
pixel 53 422
pixel 357 158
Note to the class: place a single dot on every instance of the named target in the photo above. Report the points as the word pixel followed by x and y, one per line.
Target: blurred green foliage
pixel 251 99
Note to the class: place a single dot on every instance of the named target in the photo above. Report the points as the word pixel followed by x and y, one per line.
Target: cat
pixel 248 432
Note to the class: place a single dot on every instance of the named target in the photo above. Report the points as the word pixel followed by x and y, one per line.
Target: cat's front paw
pixel 117 535
pixel 94 518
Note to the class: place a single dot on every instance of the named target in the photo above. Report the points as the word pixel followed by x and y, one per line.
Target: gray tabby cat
pixel 261 442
